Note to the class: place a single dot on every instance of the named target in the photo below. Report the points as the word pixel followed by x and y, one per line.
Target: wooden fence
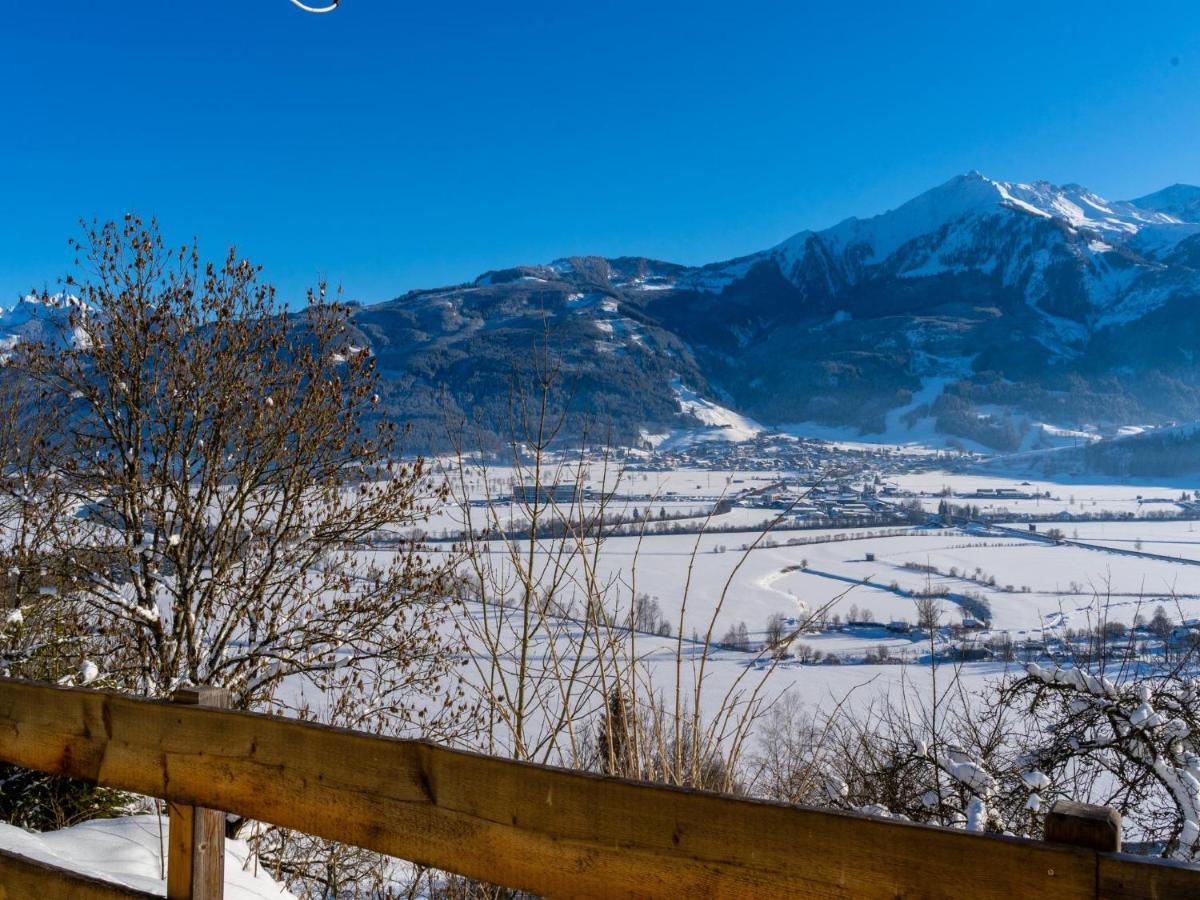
pixel 551 831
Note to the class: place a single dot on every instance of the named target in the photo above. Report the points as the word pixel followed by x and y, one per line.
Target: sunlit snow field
pixel 710 583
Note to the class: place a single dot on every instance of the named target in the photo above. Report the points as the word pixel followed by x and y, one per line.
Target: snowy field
pixel 707 584
pixel 680 493
pixel 730 675
pixel 1046 580
pixel 710 583
pixel 1073 498
pixel 1181 539
pixel 128 851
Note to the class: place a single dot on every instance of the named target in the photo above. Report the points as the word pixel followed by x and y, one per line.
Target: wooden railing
pixel 22 878
pixel 550 831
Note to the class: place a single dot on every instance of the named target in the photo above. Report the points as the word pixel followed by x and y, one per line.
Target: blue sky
pixel 397 144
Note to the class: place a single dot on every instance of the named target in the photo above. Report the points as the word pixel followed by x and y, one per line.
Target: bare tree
pixel 43 635
pixel 776 629
pixel 225 474
pixel 196 494
pixel 929 612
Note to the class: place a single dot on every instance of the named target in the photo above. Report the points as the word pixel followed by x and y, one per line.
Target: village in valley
pixel 861 558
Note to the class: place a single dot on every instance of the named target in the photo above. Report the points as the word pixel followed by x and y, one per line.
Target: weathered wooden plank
pixel 551 831
pixel 22 878
pixel 195 852
pixel 1081 825
pixel 1122 876
pixel 196 835
pixel 181 821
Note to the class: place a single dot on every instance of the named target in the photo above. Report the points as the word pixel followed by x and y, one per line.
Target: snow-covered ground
pixel 716 423
pixel 128 851
pixel 1074 498
pixel 1063 582
pixel 1181 539
pixel 713 584
pixel 834 576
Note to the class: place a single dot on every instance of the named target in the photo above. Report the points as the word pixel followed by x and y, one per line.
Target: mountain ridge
pixel 979 311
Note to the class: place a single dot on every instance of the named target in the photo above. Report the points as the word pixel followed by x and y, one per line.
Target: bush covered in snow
pixel 997 762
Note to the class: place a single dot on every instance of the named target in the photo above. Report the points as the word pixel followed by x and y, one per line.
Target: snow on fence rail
pixel 21 877
pixel 551 831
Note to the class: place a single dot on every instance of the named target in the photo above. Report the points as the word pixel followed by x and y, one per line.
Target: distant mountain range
pixel 994 314
pixel 978 312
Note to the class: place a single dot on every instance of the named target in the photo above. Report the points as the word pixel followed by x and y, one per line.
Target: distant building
pixel 1186 634
pixel 1000 494
pixel 971 652
pixel 546 493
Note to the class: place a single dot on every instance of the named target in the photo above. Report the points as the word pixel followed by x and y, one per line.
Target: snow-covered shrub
pixel 997 761
pixel 1133 745
pixel 43 639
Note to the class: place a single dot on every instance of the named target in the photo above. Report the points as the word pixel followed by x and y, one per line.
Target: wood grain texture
pixel 180 821
pixel 1081 825
pixel 547 830
pixel 196 835
pixel 1122 876
pixel 22 878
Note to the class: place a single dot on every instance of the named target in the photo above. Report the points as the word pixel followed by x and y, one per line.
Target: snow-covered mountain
pixel 1029 237
pixel 979 311
pixel 1180 201
pixel 1019 302
pixel 998 314
pixel 45 319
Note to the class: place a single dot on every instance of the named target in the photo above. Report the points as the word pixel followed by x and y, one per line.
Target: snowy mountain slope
pixel 704 420
pixel 1181 201
pixel 979 311
pixel 1022 233
pixel 463 356
pixel 1034 282
pixel 945 217
pixel 1167 452
pixel 45 319
pixel 1024 303
pixel 862 243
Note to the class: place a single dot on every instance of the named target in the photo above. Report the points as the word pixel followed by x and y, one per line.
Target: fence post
pixel 1093 827
pixel 196 836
